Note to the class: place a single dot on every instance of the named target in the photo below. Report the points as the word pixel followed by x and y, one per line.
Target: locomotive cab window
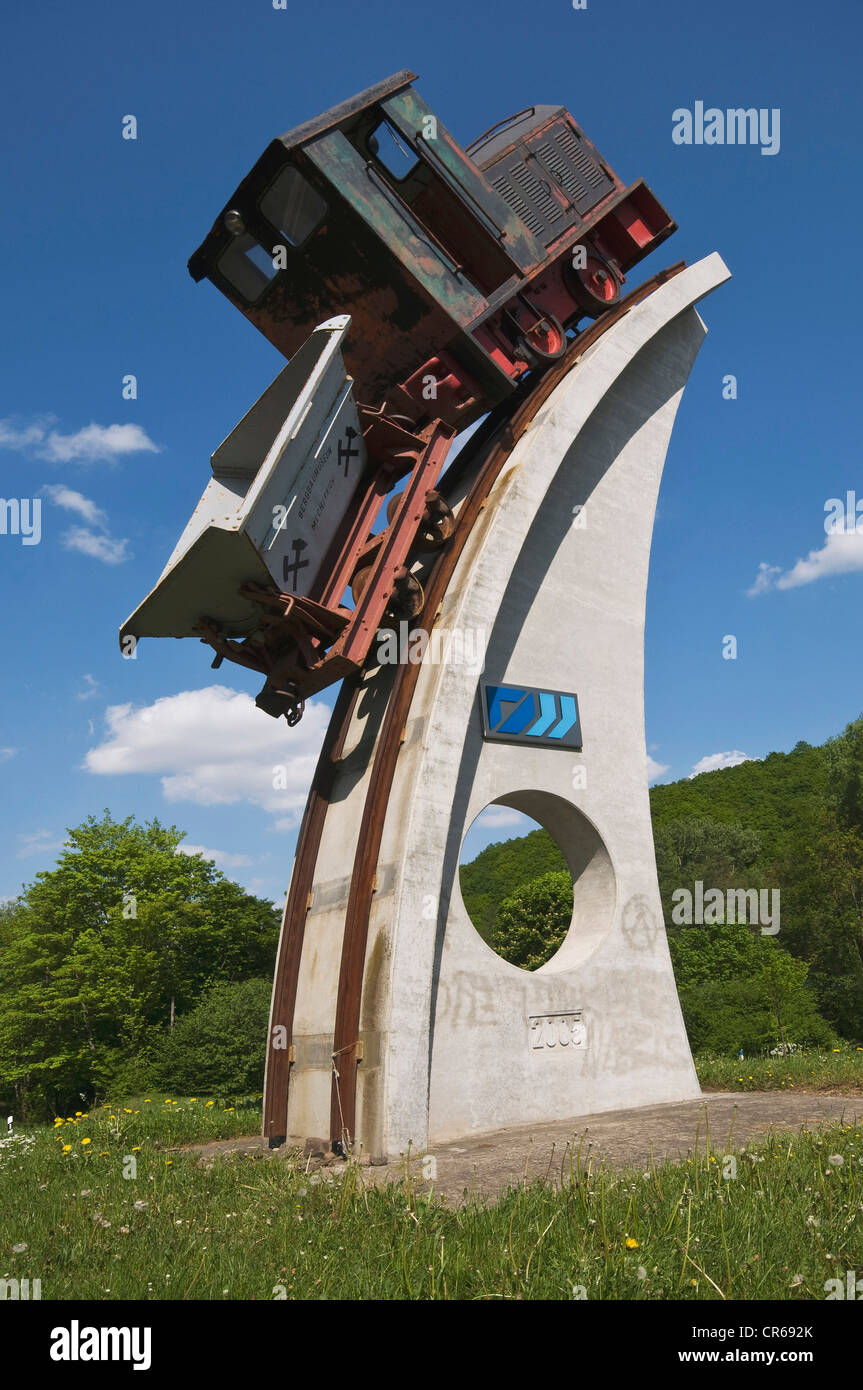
pixel 392 151
pixel 247 267
pixel 293 207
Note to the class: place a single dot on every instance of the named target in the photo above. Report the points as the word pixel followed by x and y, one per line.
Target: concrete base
pixel 456 1040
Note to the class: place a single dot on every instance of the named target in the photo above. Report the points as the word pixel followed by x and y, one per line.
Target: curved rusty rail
pixel 497 439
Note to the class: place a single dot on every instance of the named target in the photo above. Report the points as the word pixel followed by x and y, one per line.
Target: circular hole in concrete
pixel 536 881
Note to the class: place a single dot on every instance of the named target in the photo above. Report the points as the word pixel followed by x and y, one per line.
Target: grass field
pixel 101 1206
pixel 839 1070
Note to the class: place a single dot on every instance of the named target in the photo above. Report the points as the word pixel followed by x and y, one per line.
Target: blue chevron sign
pixel 522 714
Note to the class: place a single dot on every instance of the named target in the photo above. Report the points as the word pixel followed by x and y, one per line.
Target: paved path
pixel 482 1166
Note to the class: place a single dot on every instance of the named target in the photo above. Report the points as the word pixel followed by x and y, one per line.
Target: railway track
pixel 488 452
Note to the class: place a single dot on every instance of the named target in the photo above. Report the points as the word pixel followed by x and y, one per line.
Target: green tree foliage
pixel 533 921
pixel 220 1046
pixel 123 934
pixel 502 868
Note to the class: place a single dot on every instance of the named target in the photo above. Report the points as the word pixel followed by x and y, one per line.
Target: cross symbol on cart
pixel 291 568
pixel 347 449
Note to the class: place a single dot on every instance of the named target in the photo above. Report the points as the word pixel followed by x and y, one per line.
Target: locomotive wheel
pixel 544 342
pixel 595 287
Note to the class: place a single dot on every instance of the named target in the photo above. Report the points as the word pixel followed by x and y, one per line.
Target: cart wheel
pixel 408 597
pixel 437 525
pixel 544 342
pixel 359 582
pixel 393 506
pixel 595 287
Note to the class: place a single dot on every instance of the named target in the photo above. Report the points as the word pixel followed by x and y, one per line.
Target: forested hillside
pixel 792 822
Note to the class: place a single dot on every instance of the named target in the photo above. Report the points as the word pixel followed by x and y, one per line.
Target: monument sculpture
pixel 417 289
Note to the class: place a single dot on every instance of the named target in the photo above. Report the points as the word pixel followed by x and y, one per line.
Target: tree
pixel 221 1045
pixel 781 983
pixel 533 921
pixel 501 869
pixel 103 948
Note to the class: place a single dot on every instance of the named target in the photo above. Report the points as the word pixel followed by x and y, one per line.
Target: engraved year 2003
pixel 557 1030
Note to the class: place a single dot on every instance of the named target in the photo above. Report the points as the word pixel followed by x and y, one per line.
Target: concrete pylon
pixel 456 1040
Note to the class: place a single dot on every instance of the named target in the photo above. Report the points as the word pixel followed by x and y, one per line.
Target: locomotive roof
pixel 336 114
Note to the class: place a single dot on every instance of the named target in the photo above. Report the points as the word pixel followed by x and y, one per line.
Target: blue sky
pixel 97 231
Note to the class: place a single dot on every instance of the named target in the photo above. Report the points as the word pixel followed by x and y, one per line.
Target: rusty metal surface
pixel 336 114
pixel 497 442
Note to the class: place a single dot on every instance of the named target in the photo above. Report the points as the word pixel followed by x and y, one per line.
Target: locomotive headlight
pixel 233 220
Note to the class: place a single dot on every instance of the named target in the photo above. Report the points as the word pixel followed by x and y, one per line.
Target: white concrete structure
pixel 455 1039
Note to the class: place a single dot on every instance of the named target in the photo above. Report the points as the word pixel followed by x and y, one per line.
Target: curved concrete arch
pixel 454 1039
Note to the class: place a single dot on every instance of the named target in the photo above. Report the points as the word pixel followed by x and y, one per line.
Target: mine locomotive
pixel 411 284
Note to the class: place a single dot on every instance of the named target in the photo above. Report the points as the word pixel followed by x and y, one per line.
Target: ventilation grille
pixel 556 171
pixel 580 177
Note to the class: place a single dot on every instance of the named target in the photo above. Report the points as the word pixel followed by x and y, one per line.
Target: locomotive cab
pixel 460 269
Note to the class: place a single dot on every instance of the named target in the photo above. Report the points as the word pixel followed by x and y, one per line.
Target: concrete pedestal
pixel 456 1040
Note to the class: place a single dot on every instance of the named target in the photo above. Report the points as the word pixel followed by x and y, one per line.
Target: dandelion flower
pixel 85 1141
pixel 631 1244
pixel 67 1148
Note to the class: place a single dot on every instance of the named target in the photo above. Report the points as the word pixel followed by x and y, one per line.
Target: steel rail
pixel 496 439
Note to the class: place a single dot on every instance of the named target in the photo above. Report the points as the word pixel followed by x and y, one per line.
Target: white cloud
pixel 103 548
pixel 7 753
pixel 841 553
pixel 96 543
pixel 222 858
pixel 93 688
pixel 12 438
pixel 498 817
pixel 73 501
pixel 37 842
pixel 717 760
pixel 655 769
pixel 764 579
pixel 213 747
pixel 91 444
pixel 97 443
